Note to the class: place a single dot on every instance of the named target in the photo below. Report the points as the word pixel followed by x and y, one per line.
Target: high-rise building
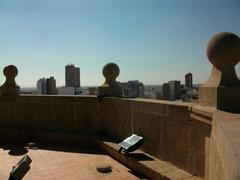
pixel 41 86
pixel 188 80
pixel 72 76
pixel 175 90
pixel 166 91
pixel 51 86
pixel 46 86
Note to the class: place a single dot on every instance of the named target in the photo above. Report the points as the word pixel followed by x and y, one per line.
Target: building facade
pixel 66 91
pixel 174 90
pixel 133 89
pixel 42 86
pixel 51 86
pixel 166 91
pixel 72 76
pixel 189 80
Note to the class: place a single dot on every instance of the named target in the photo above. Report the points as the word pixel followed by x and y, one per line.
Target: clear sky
pixel 151 40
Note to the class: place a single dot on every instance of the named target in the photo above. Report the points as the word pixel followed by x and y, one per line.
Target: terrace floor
pixel 61 162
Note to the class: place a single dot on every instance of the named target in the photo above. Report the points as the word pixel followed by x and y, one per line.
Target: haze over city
pixel 152 41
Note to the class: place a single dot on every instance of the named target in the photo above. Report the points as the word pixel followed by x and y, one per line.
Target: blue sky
pixel 151 40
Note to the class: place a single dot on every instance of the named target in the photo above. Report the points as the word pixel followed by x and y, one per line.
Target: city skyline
pixel 151 41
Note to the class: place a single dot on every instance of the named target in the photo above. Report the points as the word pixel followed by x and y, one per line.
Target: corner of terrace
pixel 182 140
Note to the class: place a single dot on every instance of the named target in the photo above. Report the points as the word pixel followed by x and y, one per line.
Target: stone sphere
pixel 223 50
pixel 111 71
pixel 10 71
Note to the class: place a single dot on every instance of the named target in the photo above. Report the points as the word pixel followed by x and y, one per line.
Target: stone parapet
pixel 176 132
pixel 224 159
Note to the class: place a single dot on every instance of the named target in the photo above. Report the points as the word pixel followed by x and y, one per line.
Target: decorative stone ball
pixel 10 71
pixel 111 71
pixel 223 50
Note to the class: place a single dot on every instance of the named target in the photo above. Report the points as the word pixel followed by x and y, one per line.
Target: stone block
pixel 44 115
pixel 199 132
pixel 82 117
pixel 64 117
pixel 25 115
pixel 154 108
pixel 8 113
pixel 224 98
pixel 153 135
pixel 178 111
pixel 126 122
pixel 200 163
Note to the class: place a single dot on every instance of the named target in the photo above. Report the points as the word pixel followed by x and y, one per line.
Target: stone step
pixel 144 163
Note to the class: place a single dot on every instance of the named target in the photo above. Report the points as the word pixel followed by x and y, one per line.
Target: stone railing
pixel 46 118
pixel 173 131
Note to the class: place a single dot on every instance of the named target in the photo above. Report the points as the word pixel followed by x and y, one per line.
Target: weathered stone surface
pixel 224 156
pixel 143 126
pixel 64 116
pixel 25 115
pixel 44 115
pixel 7 113
pixel 82 117
pixel 199 131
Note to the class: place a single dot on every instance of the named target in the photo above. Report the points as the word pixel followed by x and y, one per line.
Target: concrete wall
pixel 175 132
pixel 224 159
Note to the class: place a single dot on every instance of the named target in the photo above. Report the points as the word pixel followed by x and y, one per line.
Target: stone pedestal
pixel 222 90
pixel 110 87
pixel 10 91
pixel 224 98
pixel 113 91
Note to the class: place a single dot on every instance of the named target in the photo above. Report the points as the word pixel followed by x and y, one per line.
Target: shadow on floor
pixel 18 151
pixel 140 176
pixel 73 149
